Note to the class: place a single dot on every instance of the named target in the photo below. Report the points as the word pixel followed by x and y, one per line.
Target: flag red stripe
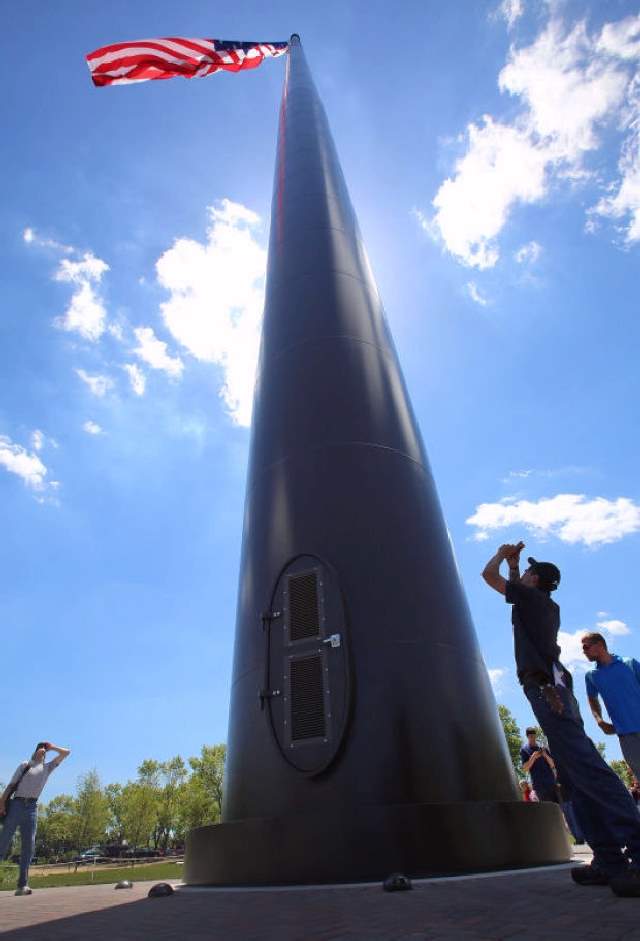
pixel 182 65
pixel 169 57
pixel 206 46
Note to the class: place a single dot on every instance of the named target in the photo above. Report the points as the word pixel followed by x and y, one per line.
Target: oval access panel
pixel 308 685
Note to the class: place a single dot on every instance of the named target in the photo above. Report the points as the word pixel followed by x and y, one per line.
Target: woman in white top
pixel 21 811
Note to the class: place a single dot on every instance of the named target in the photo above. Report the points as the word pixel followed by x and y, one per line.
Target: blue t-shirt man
pixel 617 681
pixel 537 761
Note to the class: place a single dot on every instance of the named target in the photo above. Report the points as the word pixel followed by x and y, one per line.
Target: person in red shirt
pixel 528 794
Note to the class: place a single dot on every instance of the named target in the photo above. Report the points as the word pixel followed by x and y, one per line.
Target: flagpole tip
pixel 294 39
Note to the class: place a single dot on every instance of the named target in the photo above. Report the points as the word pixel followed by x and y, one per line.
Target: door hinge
pixel 268 694
pixel 268 616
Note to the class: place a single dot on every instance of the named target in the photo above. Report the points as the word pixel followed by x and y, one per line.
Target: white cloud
pixel 511 11
pixel 92 428
pixel 624 204
pixel 615 627
pixel 37 440
pixel 475 294
pixel 568 88
pixel 621 39
pixel 216 298
pixel 570 85
pixel 496 675
pixel 571 650
pixel 154 352
pixel 501 168
pixel 31 237
pixel 116 331
pixel 17 460
pixel 528 253
pixel 99 385
pixel 570 517
pixel 425 223
pixel 136 378
pixel 569 470
pixel 86 313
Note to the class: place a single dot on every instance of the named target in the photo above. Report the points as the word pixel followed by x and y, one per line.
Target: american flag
pixel 144 59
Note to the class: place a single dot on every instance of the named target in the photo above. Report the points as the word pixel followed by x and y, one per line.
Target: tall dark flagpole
pixel 363 734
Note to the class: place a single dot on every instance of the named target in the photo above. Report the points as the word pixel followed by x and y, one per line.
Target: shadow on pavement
pixel 540 906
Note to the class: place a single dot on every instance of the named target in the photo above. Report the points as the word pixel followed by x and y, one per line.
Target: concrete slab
pixel 526 905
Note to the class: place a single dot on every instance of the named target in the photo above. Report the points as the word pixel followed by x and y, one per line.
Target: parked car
pixel 117 850
pixel 142 853
pixel 92 855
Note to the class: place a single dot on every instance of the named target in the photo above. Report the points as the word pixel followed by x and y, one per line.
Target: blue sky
pixel 493 156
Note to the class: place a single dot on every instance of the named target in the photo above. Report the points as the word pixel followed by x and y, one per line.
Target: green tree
pixel 200 799
pixel 602 748
pixel 514 738
pixel 115 802
pixel 91 811
pixel 209 770
pixel 139 812
pixel 150 773
pixel 56 831
pixel 173 773
pixel 623 771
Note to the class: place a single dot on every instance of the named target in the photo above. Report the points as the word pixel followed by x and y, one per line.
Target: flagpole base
pixel 368 843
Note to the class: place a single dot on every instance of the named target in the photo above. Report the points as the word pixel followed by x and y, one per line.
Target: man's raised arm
pixel 491 571
pixel 62 752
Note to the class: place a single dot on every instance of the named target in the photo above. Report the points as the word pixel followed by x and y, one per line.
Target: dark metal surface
pixel 338 474
pixel 367 842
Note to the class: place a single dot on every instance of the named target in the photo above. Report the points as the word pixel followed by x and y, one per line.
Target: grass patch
pixel 157 871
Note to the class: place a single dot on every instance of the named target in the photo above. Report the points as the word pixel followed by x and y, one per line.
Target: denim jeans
pixel 22 814
pixel 630 745
pixel 572 821
pixel 604 808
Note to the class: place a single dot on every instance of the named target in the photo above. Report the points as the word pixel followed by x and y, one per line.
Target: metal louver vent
pixel 304 620
pixel 307 698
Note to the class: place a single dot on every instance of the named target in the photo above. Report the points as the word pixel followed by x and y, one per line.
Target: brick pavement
pixel 523 906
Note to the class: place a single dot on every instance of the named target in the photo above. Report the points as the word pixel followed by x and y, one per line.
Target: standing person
pixel 26 785
pixel 617 681
pixel 603 806
pixel 538 764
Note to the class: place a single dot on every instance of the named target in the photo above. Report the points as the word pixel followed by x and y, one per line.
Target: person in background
pixel 617 681
pixel 26 785
pixel 538 764
pixel 528 794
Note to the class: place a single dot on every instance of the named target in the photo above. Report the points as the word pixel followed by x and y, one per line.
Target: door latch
pixel 334 640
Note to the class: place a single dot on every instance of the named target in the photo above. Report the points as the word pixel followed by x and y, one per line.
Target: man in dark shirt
pixel 538 764
pixel 603 806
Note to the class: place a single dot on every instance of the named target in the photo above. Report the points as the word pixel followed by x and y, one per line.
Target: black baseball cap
pixel 547 572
